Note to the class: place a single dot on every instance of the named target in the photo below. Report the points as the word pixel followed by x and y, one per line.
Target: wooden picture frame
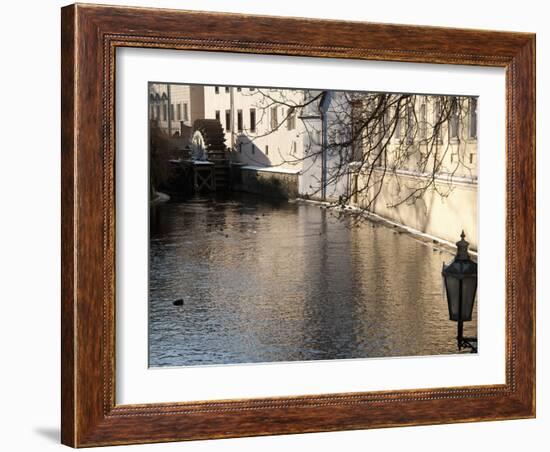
pixel 90 36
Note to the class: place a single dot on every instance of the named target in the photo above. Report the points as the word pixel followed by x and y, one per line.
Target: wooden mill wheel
pixel 208 142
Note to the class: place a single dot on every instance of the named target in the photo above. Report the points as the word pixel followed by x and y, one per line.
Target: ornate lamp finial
pixel 462 247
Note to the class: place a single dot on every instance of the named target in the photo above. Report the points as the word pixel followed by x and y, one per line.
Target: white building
pixel 260 125
pixel 174 107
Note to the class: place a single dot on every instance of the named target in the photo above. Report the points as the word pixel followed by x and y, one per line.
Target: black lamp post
pixel 460 278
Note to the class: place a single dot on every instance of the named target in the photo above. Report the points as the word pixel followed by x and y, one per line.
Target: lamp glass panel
pixel 469 286
pixel 452 285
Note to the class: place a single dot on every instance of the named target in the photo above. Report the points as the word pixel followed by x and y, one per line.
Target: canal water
pixel 272 281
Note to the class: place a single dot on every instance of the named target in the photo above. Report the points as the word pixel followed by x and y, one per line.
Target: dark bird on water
pixel 178 302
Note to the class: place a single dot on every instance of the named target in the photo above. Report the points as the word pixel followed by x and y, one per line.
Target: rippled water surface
pixel 269 281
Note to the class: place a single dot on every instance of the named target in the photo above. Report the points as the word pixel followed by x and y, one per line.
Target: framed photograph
pixel 282 225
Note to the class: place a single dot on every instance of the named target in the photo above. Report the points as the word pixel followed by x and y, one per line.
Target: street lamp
pixel 460 278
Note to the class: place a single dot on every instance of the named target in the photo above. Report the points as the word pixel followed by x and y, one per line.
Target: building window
pixel 380 134
pixel 227 89
pixel 266 149
pixel 274 121
pixel 253 120
pixel 179 112
pixel 217 115
pixel 217 89
pixel 157 114
pixel 240 148
pixel 227 120
pixel 172 115
pixel 164 111
pixel 240 120
pixel 356 132
pixel 453 125
pixel 185 112
pixel 438 123
pixel 291 119
pixel 397 124
pixel 473 118
pixel 410 125
pixel 423 123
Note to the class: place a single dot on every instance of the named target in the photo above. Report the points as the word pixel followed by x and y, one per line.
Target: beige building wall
pixel 181 103
pixel 196 98
pixel 443 210
pixel 449 203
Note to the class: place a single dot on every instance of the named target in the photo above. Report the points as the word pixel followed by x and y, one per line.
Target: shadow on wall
pixel 246 151
pixel 443 213
pixel 417 211
pixel 271 183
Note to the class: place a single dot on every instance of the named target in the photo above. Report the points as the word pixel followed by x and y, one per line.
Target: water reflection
pixel 274 281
